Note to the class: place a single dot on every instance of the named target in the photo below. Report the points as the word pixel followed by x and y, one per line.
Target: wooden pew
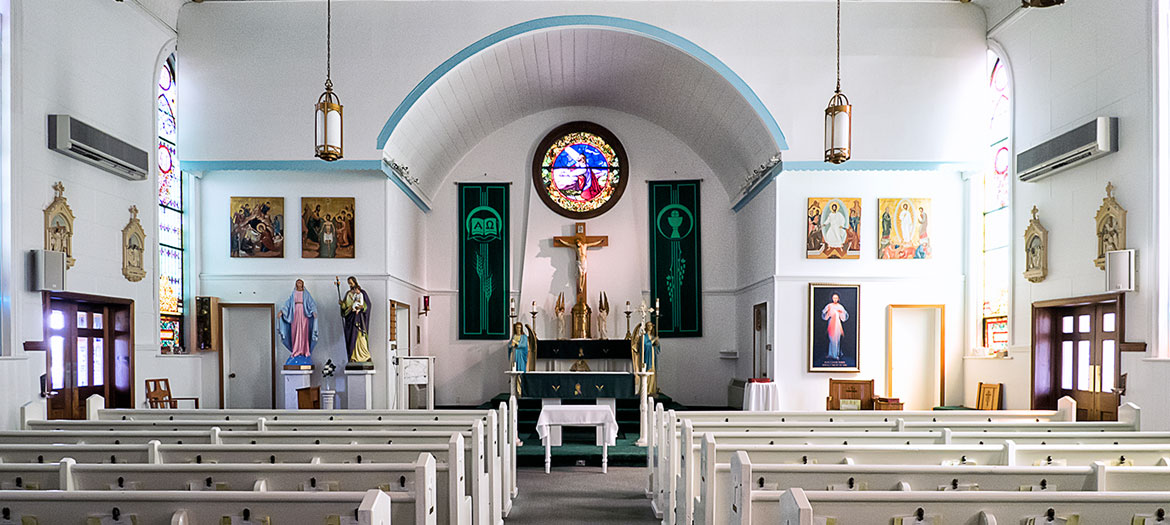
pixel 738 480
pixel 412 486
pixel 26 476
pixel 452 455
pixel 801 507
pixel 507 435
pixel 105 437
pixel 498 496
pixel 667 454
pixel 704 485
pixel 45 507
pixel 690 454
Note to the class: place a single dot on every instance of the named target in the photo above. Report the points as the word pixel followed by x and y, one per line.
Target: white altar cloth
pixel 762 397
pixel 582 415
pixel 600 416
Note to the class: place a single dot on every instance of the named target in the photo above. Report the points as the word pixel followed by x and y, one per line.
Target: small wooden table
pixel 600 416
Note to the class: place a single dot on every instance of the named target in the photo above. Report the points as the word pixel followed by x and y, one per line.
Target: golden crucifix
pixel 581 242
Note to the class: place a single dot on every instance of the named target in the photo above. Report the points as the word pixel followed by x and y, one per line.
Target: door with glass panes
pixel 1088 358
pixel 79 352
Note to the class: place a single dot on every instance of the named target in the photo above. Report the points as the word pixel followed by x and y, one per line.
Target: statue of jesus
pixel 582 263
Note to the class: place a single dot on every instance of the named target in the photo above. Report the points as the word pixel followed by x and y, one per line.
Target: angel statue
pixel 644 350
pixel 603 317
pixel 522 348
pixel 559 312
pixel 521 352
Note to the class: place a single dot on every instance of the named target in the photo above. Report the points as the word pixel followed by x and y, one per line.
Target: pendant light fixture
pixel 838 115
pixel 328 115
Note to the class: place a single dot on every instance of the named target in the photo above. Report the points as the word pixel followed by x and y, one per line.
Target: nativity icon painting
pixel 833 228
pixel 904 229
pixel 833 322
pixel 257 226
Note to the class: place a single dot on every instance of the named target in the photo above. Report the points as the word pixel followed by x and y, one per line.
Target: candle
pixel 533 306
pixel 656 305
pixel 628 310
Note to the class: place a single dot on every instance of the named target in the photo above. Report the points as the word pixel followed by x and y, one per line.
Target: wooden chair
pixel 861 390
pixel 158 395
pixel 989 396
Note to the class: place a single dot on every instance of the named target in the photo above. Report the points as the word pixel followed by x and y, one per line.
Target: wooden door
pixel 1088 353
pixel 78 358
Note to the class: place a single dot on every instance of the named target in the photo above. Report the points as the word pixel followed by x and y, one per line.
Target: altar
pixel 582 367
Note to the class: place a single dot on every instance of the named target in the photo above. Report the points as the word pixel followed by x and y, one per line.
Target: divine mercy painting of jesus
pixel 833 322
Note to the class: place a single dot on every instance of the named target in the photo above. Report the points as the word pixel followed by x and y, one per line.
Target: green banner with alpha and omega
pixel 483 261
pixel 675 260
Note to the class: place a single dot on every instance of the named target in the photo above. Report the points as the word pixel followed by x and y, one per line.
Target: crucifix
pixel 581 242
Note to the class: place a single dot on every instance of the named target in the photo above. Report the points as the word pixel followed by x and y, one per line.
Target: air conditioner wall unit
pixel 86 143
pixel 1086 142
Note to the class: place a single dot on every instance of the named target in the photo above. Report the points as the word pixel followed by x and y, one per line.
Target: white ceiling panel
pixel 580 66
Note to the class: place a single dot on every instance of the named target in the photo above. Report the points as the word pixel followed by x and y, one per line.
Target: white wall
pixel 386 228
pixel 61 61
pixel 1061 82
pixel 938 280
pixel 902 81
pixel 472 371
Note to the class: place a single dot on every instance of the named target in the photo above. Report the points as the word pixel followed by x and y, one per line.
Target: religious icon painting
pixel 257 226
pixel 904 229
pixel 327 228
pixel 580 170
pixel 833 322
pixel 833 228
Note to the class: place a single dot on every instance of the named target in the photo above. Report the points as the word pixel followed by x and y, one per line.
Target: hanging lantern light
pixel 328 131
pixel 838 115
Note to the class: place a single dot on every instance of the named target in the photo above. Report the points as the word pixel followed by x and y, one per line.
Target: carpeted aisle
pixel 581 495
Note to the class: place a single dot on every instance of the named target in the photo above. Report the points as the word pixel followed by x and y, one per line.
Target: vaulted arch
pixel 580 60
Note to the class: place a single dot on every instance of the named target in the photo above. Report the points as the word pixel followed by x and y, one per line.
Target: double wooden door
pixel 88 353
pixel 1088 356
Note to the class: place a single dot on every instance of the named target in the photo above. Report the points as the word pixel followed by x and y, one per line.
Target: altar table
pixel 599 416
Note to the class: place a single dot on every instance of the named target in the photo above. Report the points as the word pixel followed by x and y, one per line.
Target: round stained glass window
pixel 580 170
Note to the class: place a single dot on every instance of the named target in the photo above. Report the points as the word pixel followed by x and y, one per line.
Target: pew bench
pixel 802 507
pixel 50 507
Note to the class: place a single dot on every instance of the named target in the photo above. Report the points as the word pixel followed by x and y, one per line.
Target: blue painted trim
pixel 418 200
pixel 879 165
pixel 759 187
pixel 632 26
pixel 281 165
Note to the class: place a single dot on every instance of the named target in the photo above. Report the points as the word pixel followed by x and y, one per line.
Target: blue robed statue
pixel 521 351
pixel 645 353
pixel 298 326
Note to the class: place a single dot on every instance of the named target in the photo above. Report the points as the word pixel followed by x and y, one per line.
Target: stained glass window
pixel 997 182
pixel 170 215
pixel 580 170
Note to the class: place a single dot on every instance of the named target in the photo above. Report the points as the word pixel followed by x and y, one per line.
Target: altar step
pixel 578 443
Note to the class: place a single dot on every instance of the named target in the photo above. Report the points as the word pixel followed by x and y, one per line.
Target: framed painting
pixel 833 228
pixel 328 228
pixel 903 228
pixel 257 226
pixel 832 327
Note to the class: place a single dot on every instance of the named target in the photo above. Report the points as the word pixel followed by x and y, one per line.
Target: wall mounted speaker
pixel 48 271
pixel 1119 271
pixel 207 325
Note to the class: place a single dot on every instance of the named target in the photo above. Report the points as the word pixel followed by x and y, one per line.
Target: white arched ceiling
pixel 580 61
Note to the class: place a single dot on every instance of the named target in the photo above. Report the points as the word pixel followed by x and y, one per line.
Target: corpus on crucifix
pixel 581 243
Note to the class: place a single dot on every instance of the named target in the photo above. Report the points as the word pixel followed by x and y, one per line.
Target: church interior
pixel 776 261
